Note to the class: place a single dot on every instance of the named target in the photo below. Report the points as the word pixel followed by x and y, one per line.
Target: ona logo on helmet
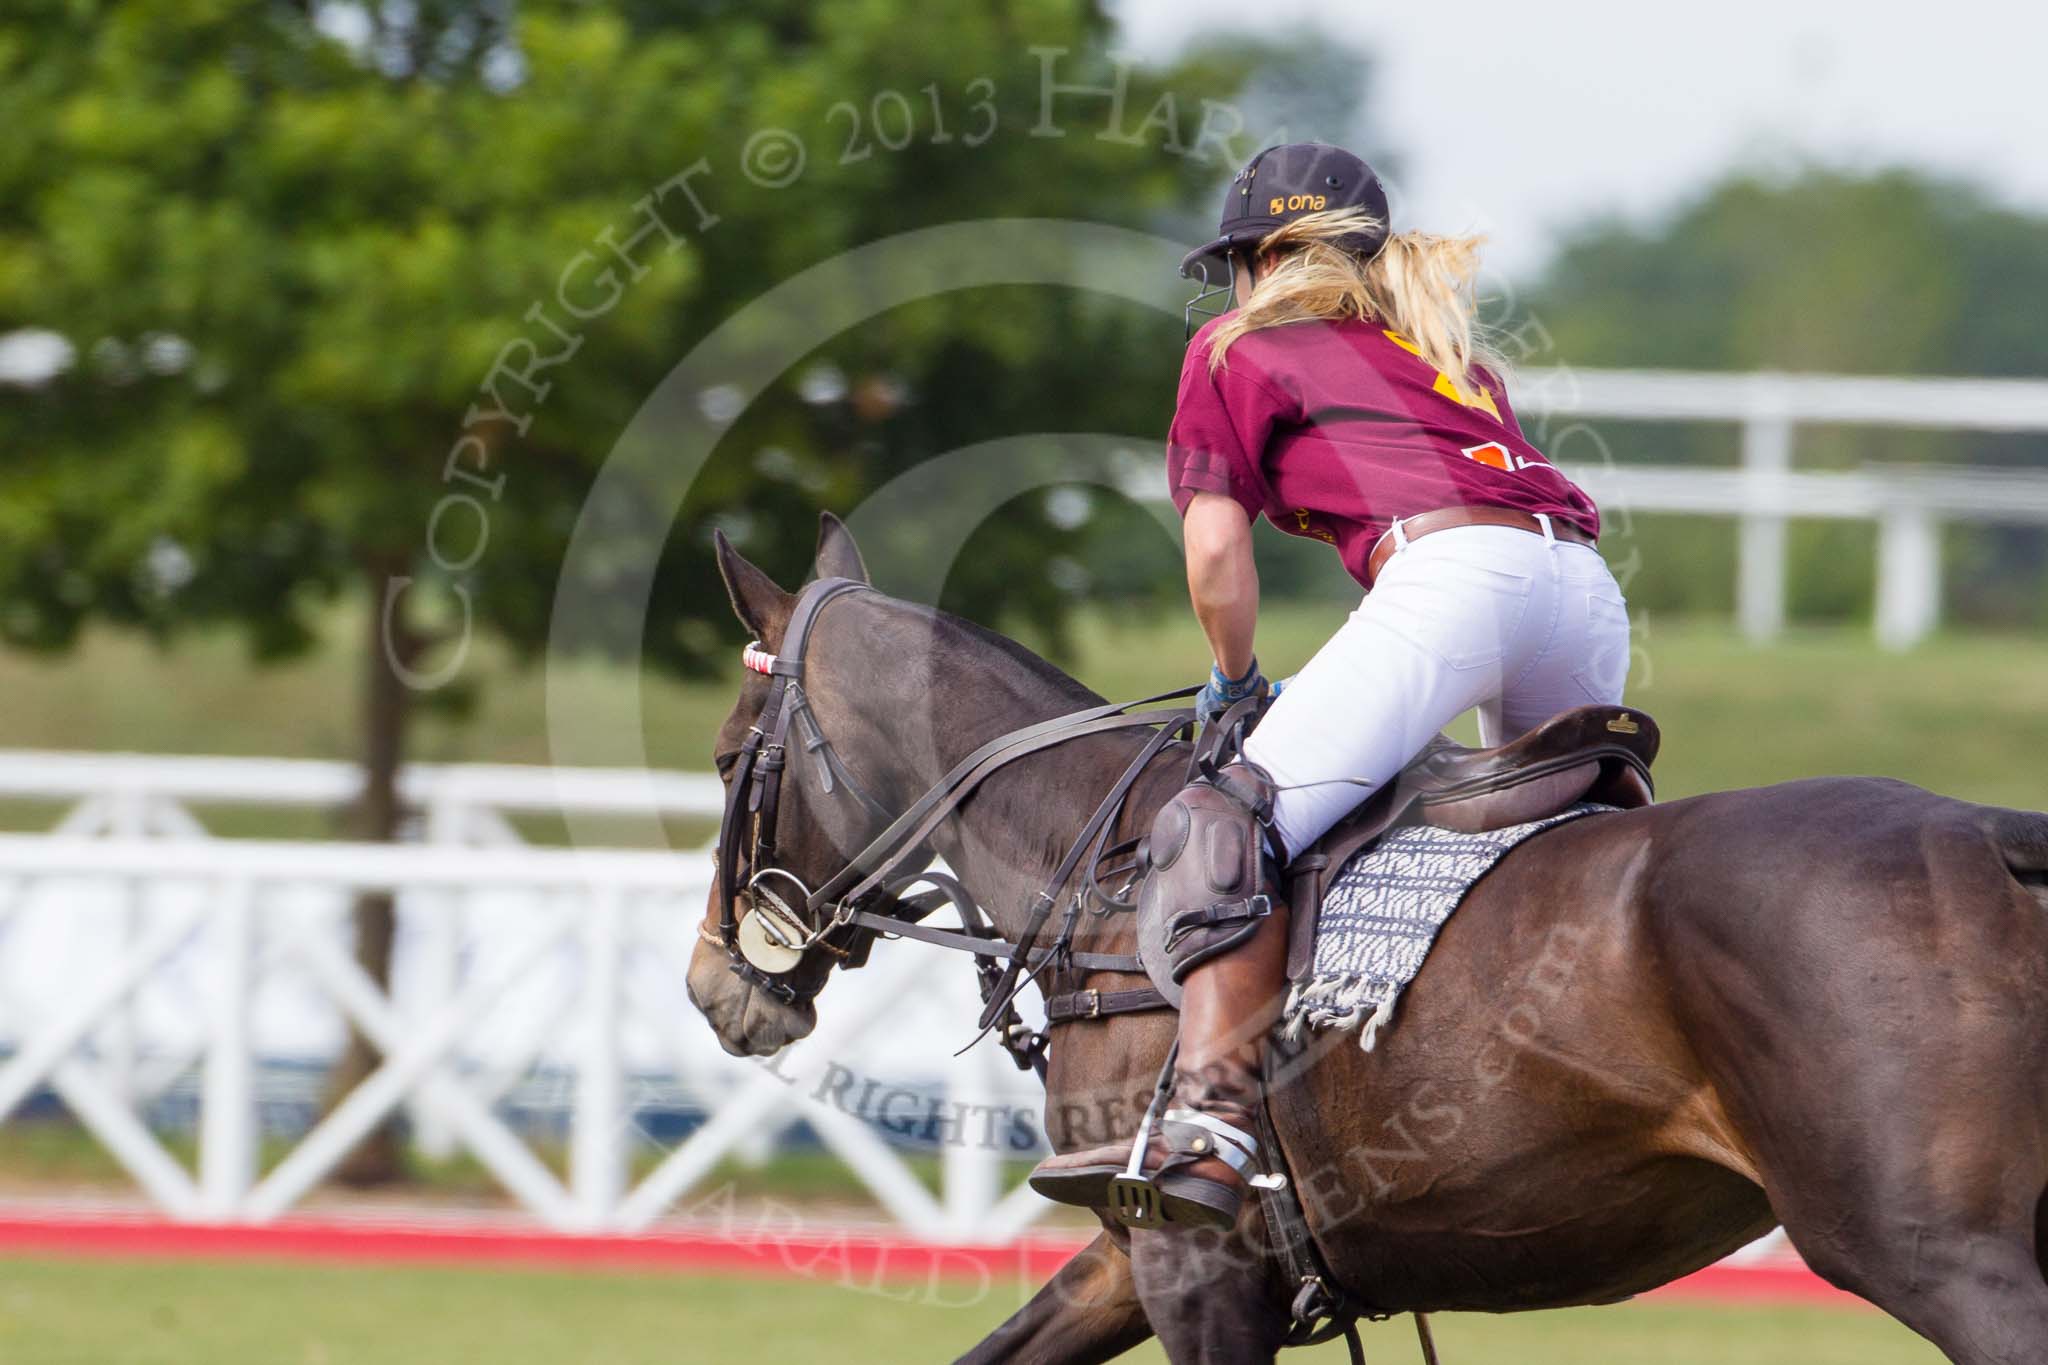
pixel 1295 202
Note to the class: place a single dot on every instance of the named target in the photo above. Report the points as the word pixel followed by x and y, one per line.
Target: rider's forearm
pixel 1223 578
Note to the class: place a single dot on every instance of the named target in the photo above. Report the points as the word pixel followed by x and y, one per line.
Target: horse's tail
pixel 2022 836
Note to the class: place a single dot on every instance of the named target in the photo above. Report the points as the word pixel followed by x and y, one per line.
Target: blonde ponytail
pixel 1420 285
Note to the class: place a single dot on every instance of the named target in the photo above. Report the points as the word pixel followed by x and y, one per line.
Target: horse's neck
pixel 1014 829
pixel 1013 833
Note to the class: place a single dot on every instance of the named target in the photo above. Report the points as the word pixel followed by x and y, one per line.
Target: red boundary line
pixel 1768 1282
pixel 860 1255
pixel 847 1257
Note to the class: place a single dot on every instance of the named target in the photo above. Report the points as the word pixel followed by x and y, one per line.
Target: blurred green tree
pixel 1891 272
pixel 358 295
pixel 1818 270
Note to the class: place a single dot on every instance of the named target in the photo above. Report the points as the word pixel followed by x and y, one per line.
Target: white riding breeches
pixel 1520 625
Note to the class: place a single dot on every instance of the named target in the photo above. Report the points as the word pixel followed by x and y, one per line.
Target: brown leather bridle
pixel 747 831
pixel 867 897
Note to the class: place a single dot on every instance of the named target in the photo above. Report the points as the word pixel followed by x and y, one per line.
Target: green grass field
pixel 1966 715
pixel 138 1313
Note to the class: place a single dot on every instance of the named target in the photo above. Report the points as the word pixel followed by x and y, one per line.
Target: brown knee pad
pixel 1209 888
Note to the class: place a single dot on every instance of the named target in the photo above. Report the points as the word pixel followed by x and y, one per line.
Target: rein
pixel 767 934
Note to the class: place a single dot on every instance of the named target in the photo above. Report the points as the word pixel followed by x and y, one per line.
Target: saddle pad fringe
pixel 1382 914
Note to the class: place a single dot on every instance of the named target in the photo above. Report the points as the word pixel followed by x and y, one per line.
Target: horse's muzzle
pixel 748 1021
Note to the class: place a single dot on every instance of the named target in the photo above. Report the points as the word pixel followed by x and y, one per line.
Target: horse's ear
pixel 838 556
pixel 762 607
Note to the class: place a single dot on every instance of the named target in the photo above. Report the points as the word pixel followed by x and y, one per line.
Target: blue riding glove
pixel 1221 693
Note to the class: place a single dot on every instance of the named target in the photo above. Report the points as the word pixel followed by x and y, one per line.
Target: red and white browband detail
pixel 757 658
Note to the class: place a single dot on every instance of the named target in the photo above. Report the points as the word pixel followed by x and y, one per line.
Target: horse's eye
pixel 725 763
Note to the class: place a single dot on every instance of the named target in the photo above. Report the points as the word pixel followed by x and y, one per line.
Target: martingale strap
pixel 1093 1004
pixel 982 943
pixel 1027 1048
pixel 1089 840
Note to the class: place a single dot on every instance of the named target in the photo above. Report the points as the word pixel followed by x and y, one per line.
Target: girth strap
pixel 1322 1309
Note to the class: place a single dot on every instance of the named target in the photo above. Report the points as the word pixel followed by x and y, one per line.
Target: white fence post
pixel 437 949
pixel 1760 582
pixel 971 1161
pixel 1908 576
pixel 127 818
pixel 227 1122
pixel 598 1151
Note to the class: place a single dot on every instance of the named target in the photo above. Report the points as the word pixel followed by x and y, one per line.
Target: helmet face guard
pixel 1212 298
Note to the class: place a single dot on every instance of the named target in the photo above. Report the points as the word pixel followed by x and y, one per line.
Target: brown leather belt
pixel 1446 518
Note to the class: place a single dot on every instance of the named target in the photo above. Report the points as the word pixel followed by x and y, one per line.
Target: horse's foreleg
pixel 1209 1298
pixel 1089 1311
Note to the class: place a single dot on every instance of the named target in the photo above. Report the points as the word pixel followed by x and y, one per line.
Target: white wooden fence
pixel 1908 504
pixel 135 950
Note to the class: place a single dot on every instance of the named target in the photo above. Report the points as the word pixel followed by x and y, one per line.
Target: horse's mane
pixel 1044 669
pixel 1060 686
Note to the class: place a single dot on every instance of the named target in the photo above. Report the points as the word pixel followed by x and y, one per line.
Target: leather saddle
pixel 1595 753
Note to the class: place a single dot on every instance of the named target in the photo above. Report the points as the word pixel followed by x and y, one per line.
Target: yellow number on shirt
pixel 1445 385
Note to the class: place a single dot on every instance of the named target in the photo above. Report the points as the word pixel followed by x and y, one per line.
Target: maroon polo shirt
pixel 1335 429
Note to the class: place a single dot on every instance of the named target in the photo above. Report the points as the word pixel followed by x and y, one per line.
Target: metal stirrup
pixel 1133 1198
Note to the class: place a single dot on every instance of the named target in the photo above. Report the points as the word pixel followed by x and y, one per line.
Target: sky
pixel 1522 119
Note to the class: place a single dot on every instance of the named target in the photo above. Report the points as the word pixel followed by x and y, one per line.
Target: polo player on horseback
pixel 1347 397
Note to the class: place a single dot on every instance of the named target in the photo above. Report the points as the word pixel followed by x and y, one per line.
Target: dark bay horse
pixel 1644 1040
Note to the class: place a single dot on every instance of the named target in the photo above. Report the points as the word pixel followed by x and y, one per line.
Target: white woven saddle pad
pixel 1382 913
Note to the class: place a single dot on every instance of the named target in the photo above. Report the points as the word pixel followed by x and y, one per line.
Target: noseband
pixel 769 920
